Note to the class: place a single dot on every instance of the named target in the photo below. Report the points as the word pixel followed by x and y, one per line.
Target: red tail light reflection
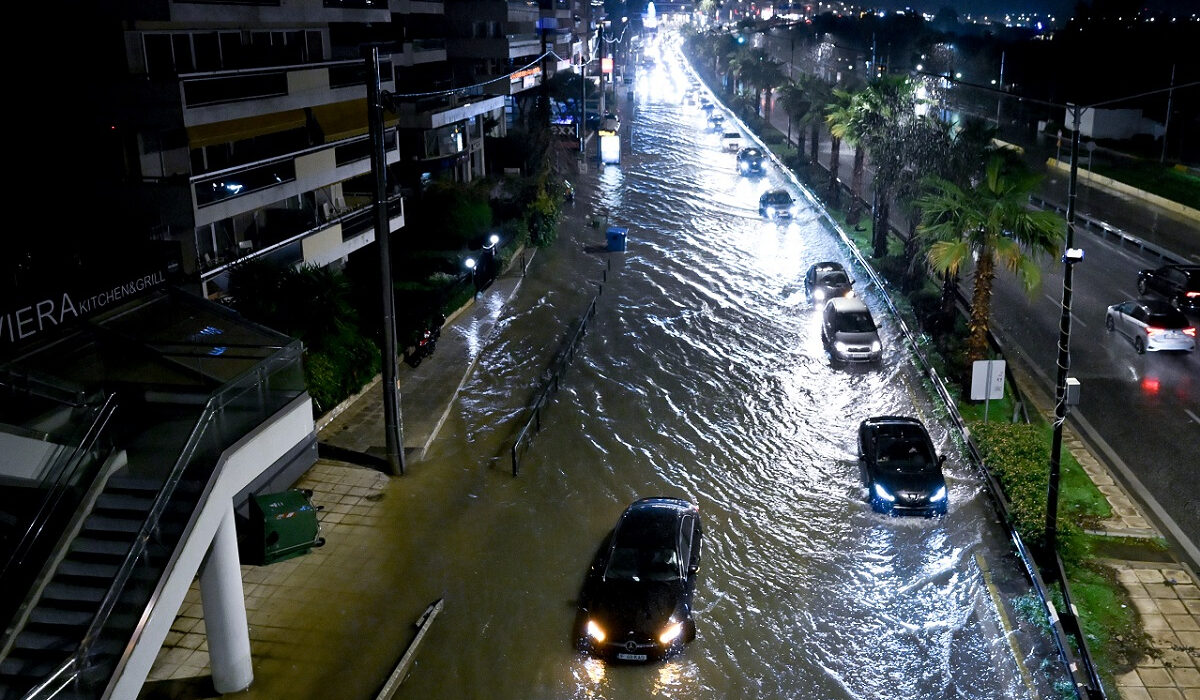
pixel 1150 385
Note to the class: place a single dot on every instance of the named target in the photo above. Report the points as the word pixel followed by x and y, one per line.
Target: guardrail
pixel 1124 239
pixel 1064 623
pixel 557 369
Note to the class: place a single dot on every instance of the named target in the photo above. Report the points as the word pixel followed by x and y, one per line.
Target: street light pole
pixel 393 426
pixel 1064 350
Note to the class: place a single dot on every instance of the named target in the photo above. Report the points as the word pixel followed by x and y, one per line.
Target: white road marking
pixel 1192 415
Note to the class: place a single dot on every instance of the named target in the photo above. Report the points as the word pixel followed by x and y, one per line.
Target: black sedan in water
pixel 900 467
pixel 776 204
pixel 826 280
pixel 636 603
pixel 750 161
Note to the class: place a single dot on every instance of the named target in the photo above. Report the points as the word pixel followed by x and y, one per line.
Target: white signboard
pixel 987 380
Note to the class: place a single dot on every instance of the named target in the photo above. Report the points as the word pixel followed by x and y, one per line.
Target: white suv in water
pixel 731 141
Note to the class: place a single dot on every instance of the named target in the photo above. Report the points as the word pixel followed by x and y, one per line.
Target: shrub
pixel 1019 456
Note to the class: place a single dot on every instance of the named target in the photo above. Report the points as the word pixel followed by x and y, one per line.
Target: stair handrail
pixel 70 669
pixel 66 471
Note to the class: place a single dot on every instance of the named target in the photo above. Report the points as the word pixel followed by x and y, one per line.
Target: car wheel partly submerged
pixel 1139 345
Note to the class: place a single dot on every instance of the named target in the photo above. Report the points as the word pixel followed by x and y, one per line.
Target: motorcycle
pixel 425 346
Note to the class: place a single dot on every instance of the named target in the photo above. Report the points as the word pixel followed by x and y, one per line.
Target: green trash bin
pixel 283 525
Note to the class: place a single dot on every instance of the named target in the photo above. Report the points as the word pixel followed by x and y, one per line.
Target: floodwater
pixel 702 375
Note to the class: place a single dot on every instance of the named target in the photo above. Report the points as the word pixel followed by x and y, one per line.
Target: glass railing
pixel 234 410
pixel 42 511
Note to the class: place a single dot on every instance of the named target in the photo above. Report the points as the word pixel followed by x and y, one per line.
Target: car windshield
pixel 856 322
pixel 903 454
pixel 778 198
pixel 733 135
pixel 834 278
pixel 636 564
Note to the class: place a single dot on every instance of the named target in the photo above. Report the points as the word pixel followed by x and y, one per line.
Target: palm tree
pixel 845 125
pixel 795 102
pixel 889 126
pixel 988 223
pixel 838 111
pixel 819 93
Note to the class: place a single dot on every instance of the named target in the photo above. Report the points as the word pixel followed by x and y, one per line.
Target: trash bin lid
pixel 285 504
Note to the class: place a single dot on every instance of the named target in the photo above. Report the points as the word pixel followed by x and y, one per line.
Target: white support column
pixel 225 610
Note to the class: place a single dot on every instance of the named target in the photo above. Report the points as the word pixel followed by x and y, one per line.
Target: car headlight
pixel 850 294
pixel 840 346
pixel 671 633
pixel 744 166
pixel 819 294
pixel 939 495
pixel 876 346
pixel 594 631
pixel 882 493
pixel 770 210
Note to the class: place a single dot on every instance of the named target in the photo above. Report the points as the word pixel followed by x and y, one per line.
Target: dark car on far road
pixel 1180 284
pixel 826 280
pixel 636 603
pixel 901 469
pixel 750 161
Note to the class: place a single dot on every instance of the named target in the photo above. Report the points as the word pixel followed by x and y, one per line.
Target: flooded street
pixel 702 376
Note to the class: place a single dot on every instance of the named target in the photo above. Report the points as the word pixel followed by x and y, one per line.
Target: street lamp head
pixel 1072 256
pixel 493 240
pixel 470 263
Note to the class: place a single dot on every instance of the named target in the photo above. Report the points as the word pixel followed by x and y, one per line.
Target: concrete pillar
pixel 225 610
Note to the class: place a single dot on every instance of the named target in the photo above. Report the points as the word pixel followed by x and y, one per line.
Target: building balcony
pixel 439 111
pixel 509 47
pixel 219 96
pixel 269 11
pixel 420 51
pixel 417 7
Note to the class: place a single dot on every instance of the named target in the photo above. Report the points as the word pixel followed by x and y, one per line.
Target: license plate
pixel 631 657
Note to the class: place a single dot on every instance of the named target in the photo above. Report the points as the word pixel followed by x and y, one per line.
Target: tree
pixel 888 123
pixel 797 105
pixel 845 125
pixel 989 223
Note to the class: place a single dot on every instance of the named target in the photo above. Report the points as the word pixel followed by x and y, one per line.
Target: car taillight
pixel 1192 295
pixel 1190 331
pixel 1152 330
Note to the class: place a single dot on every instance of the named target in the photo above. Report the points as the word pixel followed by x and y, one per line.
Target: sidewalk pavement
pixel 288 603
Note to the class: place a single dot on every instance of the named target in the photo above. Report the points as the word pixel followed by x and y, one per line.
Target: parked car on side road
pixel 901 469
pixel 1151 325
pixel 636 603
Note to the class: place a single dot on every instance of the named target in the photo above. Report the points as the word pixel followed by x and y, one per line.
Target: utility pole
pixel 1000 97
pixel 1167 120
pixel 600 46
pixel 393 427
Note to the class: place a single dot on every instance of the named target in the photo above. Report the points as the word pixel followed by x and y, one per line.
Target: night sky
pixel 1060 8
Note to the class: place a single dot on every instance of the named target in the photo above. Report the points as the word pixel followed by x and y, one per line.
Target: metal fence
pixel 558 368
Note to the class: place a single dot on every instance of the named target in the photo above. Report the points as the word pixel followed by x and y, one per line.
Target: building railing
pixel 238 85
pixel 228 415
